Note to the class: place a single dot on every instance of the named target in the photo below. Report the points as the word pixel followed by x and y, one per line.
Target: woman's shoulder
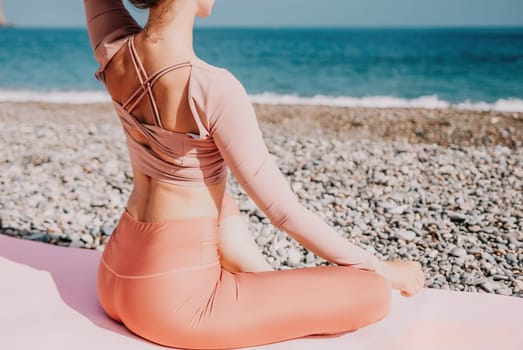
pixel 211 71
pixel 217 91
pixel 214 80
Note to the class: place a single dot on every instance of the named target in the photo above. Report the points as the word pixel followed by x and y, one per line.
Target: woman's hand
pixel 407 276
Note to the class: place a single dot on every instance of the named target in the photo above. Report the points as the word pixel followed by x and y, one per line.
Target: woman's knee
pixel 382 295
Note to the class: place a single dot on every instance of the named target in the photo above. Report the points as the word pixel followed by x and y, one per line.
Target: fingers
pixel 416 281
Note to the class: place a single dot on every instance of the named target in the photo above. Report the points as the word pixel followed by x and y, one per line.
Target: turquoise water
pixel 467 66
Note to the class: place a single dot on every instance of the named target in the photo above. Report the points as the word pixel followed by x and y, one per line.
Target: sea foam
pixel 429 101
pixel 72 97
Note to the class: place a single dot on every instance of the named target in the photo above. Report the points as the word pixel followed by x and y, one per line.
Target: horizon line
pixel 383 26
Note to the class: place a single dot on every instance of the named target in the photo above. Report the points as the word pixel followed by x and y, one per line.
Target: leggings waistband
pixel 190 268
pixel 141 249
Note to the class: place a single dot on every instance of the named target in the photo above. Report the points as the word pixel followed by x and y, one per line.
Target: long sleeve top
pixel 234 131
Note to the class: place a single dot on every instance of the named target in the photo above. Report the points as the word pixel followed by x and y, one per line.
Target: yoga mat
pixel 48 301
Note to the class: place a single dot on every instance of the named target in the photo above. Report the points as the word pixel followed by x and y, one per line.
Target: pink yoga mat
pixel 48 301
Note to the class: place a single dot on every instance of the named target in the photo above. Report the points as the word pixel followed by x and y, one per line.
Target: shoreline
pixel 442 187
pixel 445 127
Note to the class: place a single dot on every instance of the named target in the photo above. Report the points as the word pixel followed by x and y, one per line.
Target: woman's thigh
pixel 254 308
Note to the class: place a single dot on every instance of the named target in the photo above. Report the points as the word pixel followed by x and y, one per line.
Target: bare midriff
pixel 156 201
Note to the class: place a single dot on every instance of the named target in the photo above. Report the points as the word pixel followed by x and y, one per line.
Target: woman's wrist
pixel 380 266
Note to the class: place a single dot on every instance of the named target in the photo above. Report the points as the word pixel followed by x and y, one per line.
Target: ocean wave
pixel 72 97
pixel 429 101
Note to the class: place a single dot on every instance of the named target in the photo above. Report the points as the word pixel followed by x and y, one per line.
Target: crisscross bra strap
pixel 147 82
pixel 138 66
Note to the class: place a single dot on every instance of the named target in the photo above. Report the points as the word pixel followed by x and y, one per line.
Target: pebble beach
pixel 440 186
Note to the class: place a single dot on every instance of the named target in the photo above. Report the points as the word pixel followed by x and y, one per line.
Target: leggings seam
pixel 159 273
pixel 116 295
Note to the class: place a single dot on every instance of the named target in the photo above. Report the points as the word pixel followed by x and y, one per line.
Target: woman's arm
pixel 108 22
pixel 233 126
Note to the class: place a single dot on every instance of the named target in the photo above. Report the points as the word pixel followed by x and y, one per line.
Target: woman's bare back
pixel 152 200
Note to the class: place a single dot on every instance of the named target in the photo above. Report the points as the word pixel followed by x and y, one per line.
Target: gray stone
pixel 351 203
pixel 458 252
pixel 356 232
pixel 247 205
pixel 310 258
pixel 263 240
pixel 512 258
pixel 76 244
pixel 489 229
pixel 87 238
pixel 487 287
pixel 294 257
pixel 474 228
pixel 504 291
pixel 405 235
pixel 108 229
pixel 398 210
pixel 518 284
pixel 500 278
pixel 459 262
pixel 488 257
pixel 447 169
pixel 36 236
pixel 457 217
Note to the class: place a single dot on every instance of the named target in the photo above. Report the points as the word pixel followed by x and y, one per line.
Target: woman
pixel 181 269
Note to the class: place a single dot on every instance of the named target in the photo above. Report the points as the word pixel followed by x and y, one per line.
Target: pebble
pixel 504 291
pixel 294 257
pixel 488 229
pixel 36 236
pixel 398 210
pixel 487 287
pixel 351 203
pixel 456 216
pixel 488 257
pixel 310 258
pixel 405 235
pixel 356 232
pixel 500 278
pixel 263 240
pixel 76 244
pixel 459 262
pixel 247 205
pixel 108 229
pixel 474 228
pixel 87 238
pixel 511 258
pixel 458 252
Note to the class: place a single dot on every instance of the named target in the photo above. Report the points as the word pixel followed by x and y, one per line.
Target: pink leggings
pixel 164 282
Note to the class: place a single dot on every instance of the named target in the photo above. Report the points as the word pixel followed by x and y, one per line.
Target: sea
pixel 465 68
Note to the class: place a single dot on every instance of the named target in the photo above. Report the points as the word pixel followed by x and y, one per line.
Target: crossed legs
pixel 211 307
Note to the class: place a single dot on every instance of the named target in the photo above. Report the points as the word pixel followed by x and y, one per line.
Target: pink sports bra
pixel 233 140
pixel 181 158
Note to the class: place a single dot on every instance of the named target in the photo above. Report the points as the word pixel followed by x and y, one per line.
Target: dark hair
pixel 144 4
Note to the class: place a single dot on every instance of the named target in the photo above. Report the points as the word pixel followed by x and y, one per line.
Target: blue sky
pixel 284 13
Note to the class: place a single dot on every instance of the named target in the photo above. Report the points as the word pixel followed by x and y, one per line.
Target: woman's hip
pixel 146 249
pixel 145 303
pixel 147 267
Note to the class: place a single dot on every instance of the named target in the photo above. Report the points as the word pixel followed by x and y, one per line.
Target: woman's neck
pixel 173 22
